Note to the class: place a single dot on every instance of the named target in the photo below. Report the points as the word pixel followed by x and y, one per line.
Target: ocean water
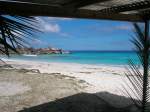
pixel 85 57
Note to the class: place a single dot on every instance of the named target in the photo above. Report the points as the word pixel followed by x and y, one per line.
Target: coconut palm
pixel 15 31
pixel 140 79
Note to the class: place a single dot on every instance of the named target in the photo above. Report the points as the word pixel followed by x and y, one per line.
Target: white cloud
pixel 59 18
pixel 51 26
pixel 112 28
pixel 38 42
pixel 48 27
pixel 124 27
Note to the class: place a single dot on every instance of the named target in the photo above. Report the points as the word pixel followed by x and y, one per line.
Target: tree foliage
pixel 138 77
pixel 15 32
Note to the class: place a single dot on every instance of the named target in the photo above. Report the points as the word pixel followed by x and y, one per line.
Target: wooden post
pixel 145 65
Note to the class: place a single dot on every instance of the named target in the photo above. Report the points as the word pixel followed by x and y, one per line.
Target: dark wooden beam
pixel 82 3
pixel 25 9
pixel 34 1
pixel 128 7
pixel 145 14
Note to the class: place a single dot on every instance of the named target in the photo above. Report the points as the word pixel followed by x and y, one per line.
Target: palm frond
pixel 15 31
pixel 139 80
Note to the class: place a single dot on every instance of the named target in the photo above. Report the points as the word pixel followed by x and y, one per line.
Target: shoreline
pixel 108 68
pixel 40 61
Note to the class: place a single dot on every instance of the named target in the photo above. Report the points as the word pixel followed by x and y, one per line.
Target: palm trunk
pixel 145 65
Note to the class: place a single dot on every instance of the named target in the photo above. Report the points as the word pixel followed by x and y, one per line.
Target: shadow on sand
pixel 84 102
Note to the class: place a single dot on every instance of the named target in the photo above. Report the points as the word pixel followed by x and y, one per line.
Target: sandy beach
pixel 98 77
pixel 59 80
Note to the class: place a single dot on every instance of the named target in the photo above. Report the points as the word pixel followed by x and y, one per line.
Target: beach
pixel 103 81
pixel 98 77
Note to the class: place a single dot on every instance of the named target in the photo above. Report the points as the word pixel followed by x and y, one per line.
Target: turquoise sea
pixel 85 57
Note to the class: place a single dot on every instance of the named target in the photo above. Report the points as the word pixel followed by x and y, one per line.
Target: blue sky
pixel 84 34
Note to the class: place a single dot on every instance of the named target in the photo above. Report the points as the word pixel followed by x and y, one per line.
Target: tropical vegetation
pixel 138 76
pixel 15 31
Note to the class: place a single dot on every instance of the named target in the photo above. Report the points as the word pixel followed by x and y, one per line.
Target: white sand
pixel 101 78
pixel 12 88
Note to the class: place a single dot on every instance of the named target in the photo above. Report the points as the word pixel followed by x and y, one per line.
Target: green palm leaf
pixel 15 31
pixel 139 80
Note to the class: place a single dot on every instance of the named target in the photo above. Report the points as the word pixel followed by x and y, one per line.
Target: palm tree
pixel 15 31
pixel 140 79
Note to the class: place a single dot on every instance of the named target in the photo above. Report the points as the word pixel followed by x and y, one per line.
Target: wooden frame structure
pixel 123 10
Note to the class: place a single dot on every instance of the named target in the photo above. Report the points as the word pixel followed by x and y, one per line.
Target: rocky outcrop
pixel 41 51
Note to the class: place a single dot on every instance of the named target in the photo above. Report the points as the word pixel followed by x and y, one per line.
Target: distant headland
pixel 37 51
